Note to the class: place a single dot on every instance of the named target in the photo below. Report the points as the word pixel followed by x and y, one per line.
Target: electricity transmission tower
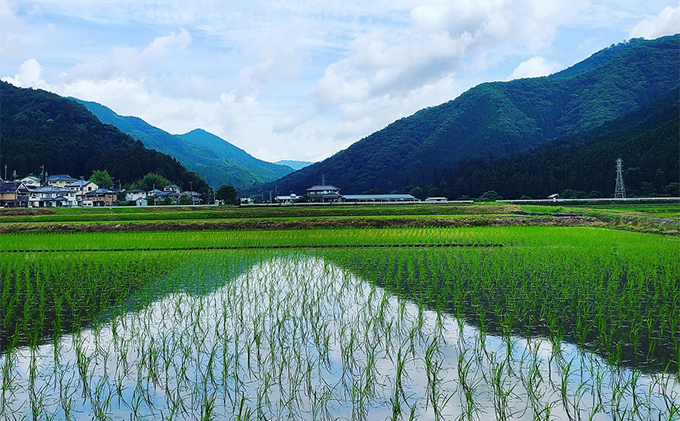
pixel 620 191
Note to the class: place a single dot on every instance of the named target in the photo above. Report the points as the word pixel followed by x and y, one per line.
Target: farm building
pixel 376 198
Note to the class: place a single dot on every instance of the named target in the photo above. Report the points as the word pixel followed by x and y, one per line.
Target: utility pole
pixel 620 191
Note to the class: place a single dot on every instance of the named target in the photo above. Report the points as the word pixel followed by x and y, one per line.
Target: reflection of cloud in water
pixel 297 336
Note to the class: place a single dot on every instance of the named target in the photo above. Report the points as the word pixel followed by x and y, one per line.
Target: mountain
pixel 42 128
pixel 295 165
pixel 583 164
pixel 499 119
pixel 213 158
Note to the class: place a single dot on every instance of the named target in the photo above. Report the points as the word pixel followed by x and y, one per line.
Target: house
pixel 52 197
pixel 60 180
pixel 246 201
pixel 100 197
pixel 133 195
pixel 31 182
pixel 13 194
pixel 82 187
pixel 195 197
pixel 554 197
pixel 141 201
pixel 172 188
pixel 166 198
pixel 379 198
pixel 324 193
pixel 286 199
pixel 436 199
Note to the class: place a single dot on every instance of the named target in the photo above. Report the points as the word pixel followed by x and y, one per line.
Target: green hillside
pixel 216 160
pixel 499 119
pixel 583 165
pixel 41 128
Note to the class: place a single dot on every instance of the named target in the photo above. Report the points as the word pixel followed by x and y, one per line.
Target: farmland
pixel 469 322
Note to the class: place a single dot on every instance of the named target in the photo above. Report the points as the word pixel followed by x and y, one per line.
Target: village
pixel 65 191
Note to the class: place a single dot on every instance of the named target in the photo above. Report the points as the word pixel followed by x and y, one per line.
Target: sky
pixel 301 79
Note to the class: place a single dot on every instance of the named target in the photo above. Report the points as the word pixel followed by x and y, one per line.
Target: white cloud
pixel 129 62
pixel 29 76
pixel 534 67
pixel 665 23
pixel 303 78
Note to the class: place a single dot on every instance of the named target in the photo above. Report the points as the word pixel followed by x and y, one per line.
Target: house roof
pixel 99 192
pixel 61 177
pixel 50 189
pixel 167 194
pixel 80 183
pixel 30 177
pixel 10 186
pixel 321 188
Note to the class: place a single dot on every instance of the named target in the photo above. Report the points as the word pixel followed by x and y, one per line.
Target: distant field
pixel 657 218
pixel 122 214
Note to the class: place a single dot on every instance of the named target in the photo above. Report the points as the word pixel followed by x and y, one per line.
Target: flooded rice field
pixel 297 335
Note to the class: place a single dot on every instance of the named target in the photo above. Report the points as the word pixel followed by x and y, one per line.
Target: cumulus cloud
pixel 534 67
pixel 665 23
pixel 302 78
pixel 387 65
pixel 29 76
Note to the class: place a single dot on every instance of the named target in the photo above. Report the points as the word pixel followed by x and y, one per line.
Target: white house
pixel 52 197
pixel 60 180
pixel 31 182
pixel 172 188
pixel 287 199
pixel 324 193
pixel 133 195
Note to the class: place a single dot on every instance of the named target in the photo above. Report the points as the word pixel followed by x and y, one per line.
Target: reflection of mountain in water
pixel 101 285
pixel 526 294
pixel 296 336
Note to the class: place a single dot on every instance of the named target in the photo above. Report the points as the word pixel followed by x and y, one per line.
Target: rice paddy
pixel 559 323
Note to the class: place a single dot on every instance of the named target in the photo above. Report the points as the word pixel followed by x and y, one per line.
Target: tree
pixel 185 199
pixel 490 196
pixel 227 194
pixel 102 179
pixel 151 181
pixel 417 192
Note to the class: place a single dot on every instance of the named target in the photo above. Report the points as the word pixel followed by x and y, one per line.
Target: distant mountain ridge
pixel 500 119
pixel 296 165
pixel 213 158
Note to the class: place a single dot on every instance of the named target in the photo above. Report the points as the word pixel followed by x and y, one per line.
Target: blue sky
pixel 301 79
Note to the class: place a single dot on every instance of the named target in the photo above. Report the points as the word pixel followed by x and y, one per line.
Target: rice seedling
pixel 541 328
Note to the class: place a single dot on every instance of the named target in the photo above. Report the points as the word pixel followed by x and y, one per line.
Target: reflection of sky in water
pixel 292 338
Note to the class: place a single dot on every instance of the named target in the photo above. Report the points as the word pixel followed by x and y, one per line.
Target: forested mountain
pixel 213 158
pixel 583 164
pixel 41 128
pixel 498 119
